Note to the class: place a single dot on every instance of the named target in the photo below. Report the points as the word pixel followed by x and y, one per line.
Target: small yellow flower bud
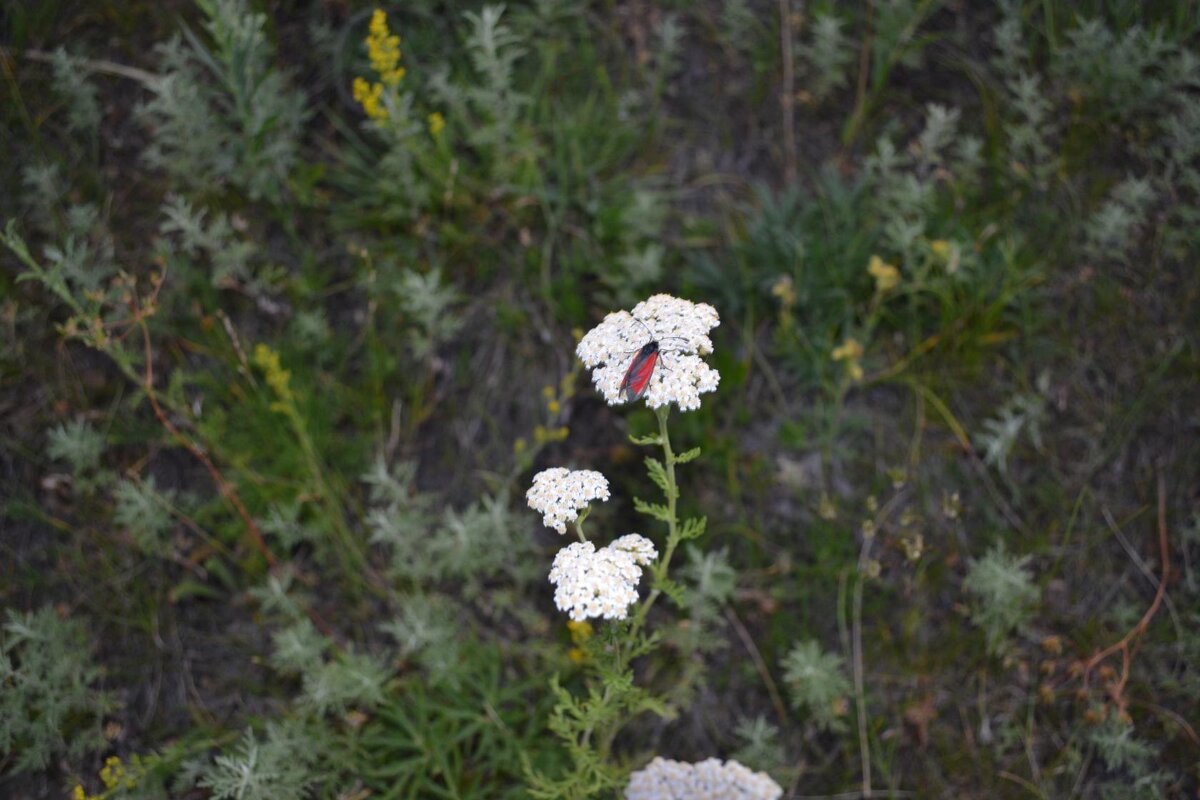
pixel 437 124
pixel 886 276
pixel 849 350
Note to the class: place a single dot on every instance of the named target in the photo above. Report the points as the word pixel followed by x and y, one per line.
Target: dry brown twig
pixel 139 315
pixel 1128 643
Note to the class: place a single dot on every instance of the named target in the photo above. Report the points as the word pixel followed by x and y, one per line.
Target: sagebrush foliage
pixel 1005 595
pixel 50 700
pixel 221 113
pixel 818 683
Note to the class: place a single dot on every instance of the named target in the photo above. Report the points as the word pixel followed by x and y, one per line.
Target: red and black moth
pixel 641 368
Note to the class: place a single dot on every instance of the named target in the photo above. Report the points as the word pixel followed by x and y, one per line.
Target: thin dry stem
pixel 788 97
pixel 1128 643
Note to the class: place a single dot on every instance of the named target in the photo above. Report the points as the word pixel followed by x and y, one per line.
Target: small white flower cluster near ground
pixel 663 779
pixel 600 583
pixel 681 329
pixel 560 494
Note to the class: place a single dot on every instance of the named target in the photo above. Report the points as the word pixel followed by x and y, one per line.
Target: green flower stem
pixel 579 523
pixel 673 536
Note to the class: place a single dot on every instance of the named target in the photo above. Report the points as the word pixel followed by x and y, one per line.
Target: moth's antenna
pixel 645 327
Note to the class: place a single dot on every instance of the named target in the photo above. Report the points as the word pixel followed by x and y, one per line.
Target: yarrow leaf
pixel 656 510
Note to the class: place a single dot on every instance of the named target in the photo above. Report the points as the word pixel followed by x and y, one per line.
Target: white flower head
pixel 560 494
pixel 663 779
pixel 600 583
pixel 638 546
pixel 679 326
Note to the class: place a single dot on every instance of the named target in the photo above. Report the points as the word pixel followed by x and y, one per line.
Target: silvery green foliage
pixel 332 682
pixel 80 96
pixel 76 265
pixel 739 25
pixel 817 683
pixel 77 443
pixel 1111 232
pixel 199 235
pixel 666 53
pixel 283 522
pixel 426 630
pixel 280 764
pixel 427 304
pixel 636 227
pixel 709 581
pixel 940 131
pixel 45 189
pixel 395 502
pixel 279 595
pixel 1022 414
pixel 825 56
pixel 47 703
pixel 1030 125
pixel 350 679
pixel 761 748
pixel 490 99
pixel 222 116
pixel 145 513
pixel 1122 74
pixel 906 182
pixel 1135 766
pixel 81 264
pixel 81 446
pixel 896 26
pixel 1005 595
pixel 471 545
pixel 298 647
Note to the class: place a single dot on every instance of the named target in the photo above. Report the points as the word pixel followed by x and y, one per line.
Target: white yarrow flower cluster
pixel 560 494
pixel 679 326
pixel 600 583
pixel 663 779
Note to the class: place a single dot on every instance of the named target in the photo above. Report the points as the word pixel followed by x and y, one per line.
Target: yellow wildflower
pixel 946 252
pixel 886 276
pixel 369 96
pixel 436 124
pixel 79 793
pixel 785 290
pixel 581 630
pixel 112 772
pixel 277 377
pixel 384 50
pixel 849 350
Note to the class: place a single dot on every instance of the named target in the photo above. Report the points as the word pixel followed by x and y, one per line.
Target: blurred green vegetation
pixel 286 331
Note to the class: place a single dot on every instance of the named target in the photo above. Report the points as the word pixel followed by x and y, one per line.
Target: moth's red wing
pixel 637 377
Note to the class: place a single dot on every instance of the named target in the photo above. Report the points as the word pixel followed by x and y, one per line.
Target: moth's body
pixel 641 370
